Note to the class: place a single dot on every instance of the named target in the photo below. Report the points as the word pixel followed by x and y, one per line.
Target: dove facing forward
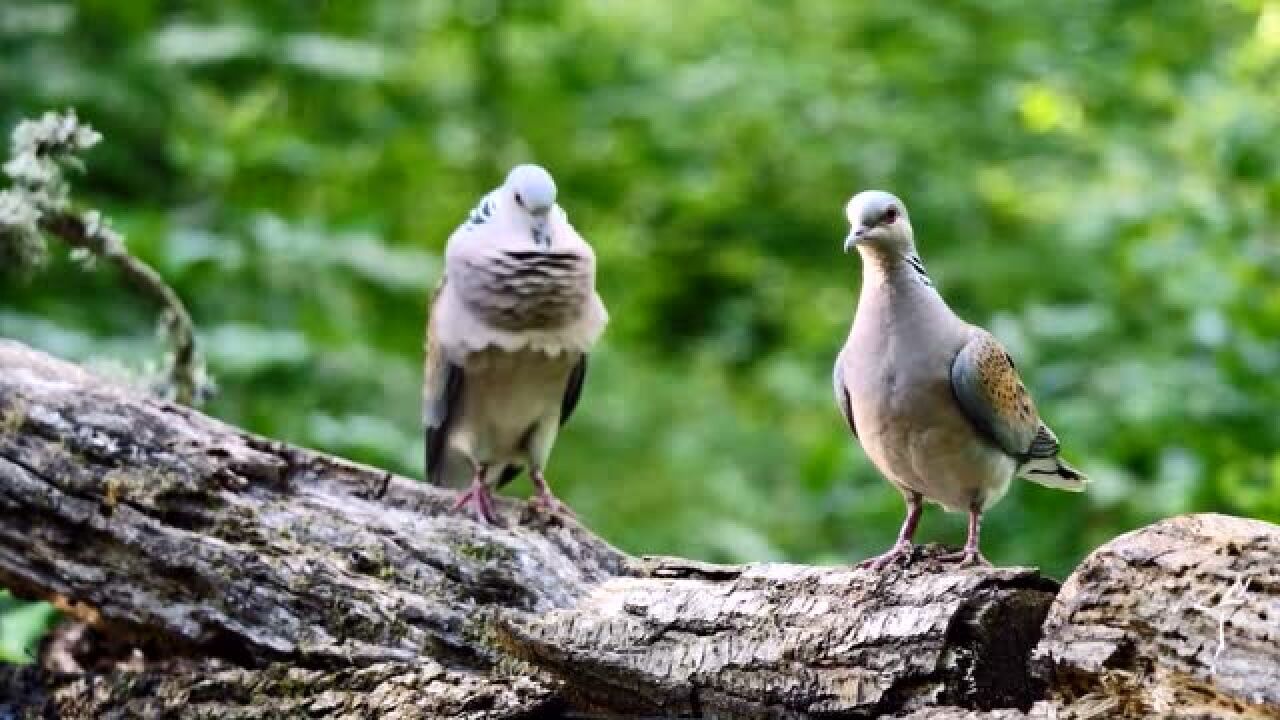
pixel 509 329
pixel 936 403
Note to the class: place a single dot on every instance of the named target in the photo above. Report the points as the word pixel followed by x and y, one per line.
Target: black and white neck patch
pixel 918 265
pixel 482 213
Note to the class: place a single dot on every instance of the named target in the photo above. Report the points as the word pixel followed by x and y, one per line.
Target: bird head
pixel 879 220
pixel 531 191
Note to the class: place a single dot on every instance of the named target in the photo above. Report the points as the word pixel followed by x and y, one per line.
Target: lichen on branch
pixel 38 206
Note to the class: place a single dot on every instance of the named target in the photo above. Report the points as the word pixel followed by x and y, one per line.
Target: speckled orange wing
pixel 987 386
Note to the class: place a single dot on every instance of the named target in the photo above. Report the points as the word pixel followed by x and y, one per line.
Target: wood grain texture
pixel 786 640
pixel 236 576
pixel 188 537
pixel 391 691
pixel 1180 619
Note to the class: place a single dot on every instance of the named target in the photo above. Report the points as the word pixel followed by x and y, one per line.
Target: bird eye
pixel 890 215
pixel 519 200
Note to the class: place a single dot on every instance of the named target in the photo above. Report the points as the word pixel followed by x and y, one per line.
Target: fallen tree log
pixel 1180 619
pixel 259 579
pixel 760 640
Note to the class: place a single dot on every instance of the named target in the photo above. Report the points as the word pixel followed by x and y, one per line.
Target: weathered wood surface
pixel 1180 619
pixel 774 639
pixel 188 537
pixel 259 579
pixel 172 528
pixel 395 691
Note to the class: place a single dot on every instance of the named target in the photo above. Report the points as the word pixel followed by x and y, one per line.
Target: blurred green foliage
pixel 21 625
pixel 1094 181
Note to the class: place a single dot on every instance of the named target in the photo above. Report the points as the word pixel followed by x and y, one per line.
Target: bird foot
pixel 480 501
pixel 969 557
pixel 547 503
pixel 900 550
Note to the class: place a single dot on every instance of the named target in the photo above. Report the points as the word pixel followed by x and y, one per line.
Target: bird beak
pixel 854 238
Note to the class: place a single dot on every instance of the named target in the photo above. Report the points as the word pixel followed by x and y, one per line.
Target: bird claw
pixel 544 500
pixel 550 504
pixel 900 550
pixel 480 501
pixel 969 557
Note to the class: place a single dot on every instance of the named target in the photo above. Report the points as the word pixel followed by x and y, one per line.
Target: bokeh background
pixel 1096 182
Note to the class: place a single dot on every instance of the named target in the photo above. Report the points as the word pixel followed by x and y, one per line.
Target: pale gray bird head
pixel 878 219
pixel 532 195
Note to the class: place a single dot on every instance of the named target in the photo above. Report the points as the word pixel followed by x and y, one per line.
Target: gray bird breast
pixel 528 289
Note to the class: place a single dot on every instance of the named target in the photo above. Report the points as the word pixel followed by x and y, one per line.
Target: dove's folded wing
pixel 441 394
pixel 573 389
pixel 991 394
pixel 842 393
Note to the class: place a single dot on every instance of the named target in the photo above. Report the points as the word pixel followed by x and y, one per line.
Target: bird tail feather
pixel 1052 472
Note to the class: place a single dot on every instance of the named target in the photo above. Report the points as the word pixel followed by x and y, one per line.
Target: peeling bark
pixel 172 529
pixel 1041 711
pixel 236 576
pixel 421 689
pixel 189 538
pixel 1180 619
pixel 784 640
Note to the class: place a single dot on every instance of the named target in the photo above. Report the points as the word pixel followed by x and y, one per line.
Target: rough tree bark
pixel 1181 619
pixel 771 639
pixel 260 579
